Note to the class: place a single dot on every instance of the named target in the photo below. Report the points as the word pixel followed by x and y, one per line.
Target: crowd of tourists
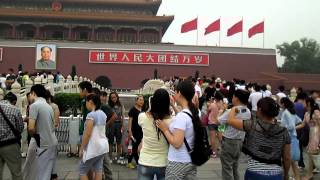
pixel 274 131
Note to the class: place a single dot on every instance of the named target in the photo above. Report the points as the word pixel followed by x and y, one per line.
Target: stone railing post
pixel 37 80
pixel 50 84
pixel 69 84
pixel 61 84
pixel 44 81
pixel 28 84
pixel 75 84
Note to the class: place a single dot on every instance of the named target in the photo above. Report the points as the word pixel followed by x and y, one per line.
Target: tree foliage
pixel 300 56
pixel 104 81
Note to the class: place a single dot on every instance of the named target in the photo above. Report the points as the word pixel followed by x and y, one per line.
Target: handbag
pixel 15 132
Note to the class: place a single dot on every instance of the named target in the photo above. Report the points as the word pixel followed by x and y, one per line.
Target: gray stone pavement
pixel 68 170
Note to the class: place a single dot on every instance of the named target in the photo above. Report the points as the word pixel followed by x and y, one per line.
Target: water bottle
pixel 133 139
pixel 130 148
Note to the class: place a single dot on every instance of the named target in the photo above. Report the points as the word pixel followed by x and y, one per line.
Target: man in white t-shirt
pixel 254 98
pixel 197 88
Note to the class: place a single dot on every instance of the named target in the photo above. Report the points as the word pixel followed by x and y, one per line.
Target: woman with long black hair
pixel 135 131
pixel 154 147
pixel 289 120
pixel 116 126
pixel 183 126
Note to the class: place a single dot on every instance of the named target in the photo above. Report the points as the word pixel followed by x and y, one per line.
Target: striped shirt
pixel 230 132
pixel 263 168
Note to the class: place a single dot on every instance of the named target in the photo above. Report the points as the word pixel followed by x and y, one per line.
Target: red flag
pixel 235 29
pixel 189 26
pixel 215 26
pixel 256 29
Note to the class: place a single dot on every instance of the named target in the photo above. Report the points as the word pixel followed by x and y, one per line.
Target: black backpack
pixel 201 151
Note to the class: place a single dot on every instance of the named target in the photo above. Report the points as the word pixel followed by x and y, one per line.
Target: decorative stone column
pixel 69 79
pixel 70 33
pixel 13 32
pixel 160 35
pixel 69 84
pixel 61 84
pixel 37 80
pixel 75 79
pixel 44 81
pixel 50 84
pixel 29 84
pixel 80 79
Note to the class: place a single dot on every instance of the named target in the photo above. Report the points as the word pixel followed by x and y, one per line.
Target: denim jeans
pixel 250 175
pixel 148 172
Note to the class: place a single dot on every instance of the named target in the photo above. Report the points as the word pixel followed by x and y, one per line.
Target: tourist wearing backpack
pixel 232 138
pixel 180 165
pixel 266 143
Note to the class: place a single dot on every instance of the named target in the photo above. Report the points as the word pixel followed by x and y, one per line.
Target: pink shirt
pixel 213 111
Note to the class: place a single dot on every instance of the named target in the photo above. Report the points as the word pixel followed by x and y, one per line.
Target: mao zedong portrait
pixel 46 62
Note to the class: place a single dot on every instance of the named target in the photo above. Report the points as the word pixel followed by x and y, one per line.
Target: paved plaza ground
pixel 68 170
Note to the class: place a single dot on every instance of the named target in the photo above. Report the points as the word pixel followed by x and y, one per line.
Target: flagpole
pixel 264 31
pixel 242 33
pixel 197 29
pixel 220 31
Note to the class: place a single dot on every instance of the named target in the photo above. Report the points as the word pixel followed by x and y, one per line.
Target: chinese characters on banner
pixel 139 57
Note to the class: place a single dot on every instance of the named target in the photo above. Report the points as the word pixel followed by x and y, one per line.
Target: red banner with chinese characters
pixel 149 57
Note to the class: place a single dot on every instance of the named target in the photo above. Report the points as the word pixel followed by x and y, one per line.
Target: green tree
pixel 300 56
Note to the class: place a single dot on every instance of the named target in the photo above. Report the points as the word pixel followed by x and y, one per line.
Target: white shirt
pixel 242 87
pixel 267 93
pixel 2 82
pixel 182 122
pixel 281 95
pixel 198 90
pixel 254 98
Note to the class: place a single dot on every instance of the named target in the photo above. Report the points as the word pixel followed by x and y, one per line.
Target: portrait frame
pixel 43 62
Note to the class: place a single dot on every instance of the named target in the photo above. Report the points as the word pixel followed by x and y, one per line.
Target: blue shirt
pixel 290 121
pixel 98 117
pixel 299 109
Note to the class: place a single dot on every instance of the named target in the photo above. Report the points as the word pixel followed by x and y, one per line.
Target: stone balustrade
pixel 63 86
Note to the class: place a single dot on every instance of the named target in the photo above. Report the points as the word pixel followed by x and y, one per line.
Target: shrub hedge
pixel 68 101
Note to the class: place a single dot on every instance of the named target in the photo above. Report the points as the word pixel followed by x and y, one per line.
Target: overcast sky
pixel 285 21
